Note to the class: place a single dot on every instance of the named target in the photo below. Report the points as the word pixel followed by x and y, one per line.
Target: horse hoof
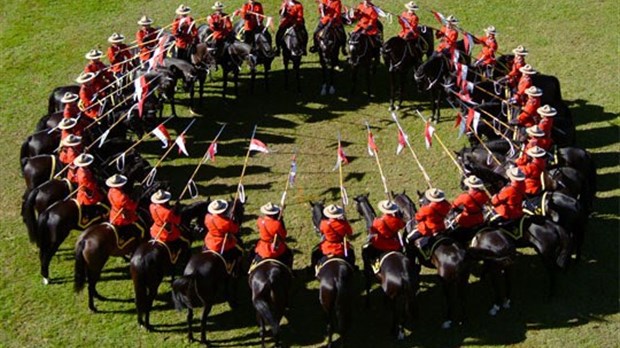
pixel 401 335
pixel 323 91
pixel 446 324
pixel 46 281
pixel 506 304
pixel 332 90
pixel 194 113
pixel 493 311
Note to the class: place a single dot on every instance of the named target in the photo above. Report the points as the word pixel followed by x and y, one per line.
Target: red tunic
pixel 217 228
pixel 367 18
pixel 185 31
pixel 515 74
pixel 146 39
pixel 334 230
pixel 220 25
pixel 533 170
pixel 529 116
pixel 472 202
pixel 508 202
pixel 88 97
pixel 122 208
pixel 88 193
pixel 448 39
pixel 330 11
pixel 409 25
pixel 489 47
pixel 163 215
pixel 69 153
pixel 104 76
pixel 546 125
pixel 71 110
pixel 292 13
pixel 251 20
pixel 270 229
pixel 431 217
pixel 385 229
pixel 119 57
pixel 525 82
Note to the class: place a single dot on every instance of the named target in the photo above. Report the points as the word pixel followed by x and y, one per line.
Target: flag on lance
pixel 439 17
pixel 162 134
pixel 257 145
pixel 211 152
pixel 402 141
pixel 180 141
pixel 428 134
pixel 372 146
pixel 341 159
pixel 293 174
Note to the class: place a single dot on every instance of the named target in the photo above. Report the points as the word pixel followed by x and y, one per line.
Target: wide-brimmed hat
pixel 515 174
pixel 94 54
pixel 218 206
pixel 411 6
pixel 534 91
pixel 536 152
pixel 83 160
pixel 535 131
pixel 116 180
pixel 270 209
pixel 435 195
pixel 387 207
pixel 71 140
pixel 116 38
pixel 69 98
pixel 144 20
pixel 473 181
pixel 160 197
pixel 67 123
pixel 452 20
pixel 85 77
pixel 520 51
pixel 183 10
pixel 217 6
pixel 333 211
pixel 490 30
pixel 547 111
pixel 527 69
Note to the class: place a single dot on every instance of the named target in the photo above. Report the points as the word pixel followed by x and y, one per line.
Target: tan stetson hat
pixel 94 54
pixel 535 131
pixel 520 51
pixel 116 180
pixel 452 20
pixel 387 207
pixel 527 69
pixel 515 174
pixel 270 209
pixel 218 206
pixel 69 98
pixel 333 211
pixel 85 77
pixel 411 6
pixel 160 197
pixel 83 160
pixel 534 91
pixel 490 30
pixel 144 20
pixel 67 123
pixel 217 6
pixel 435 195
pixel 116 38
pixel 473 181
pixel 183 10
pixel 547 111
pixel 536 152
pixel 71 140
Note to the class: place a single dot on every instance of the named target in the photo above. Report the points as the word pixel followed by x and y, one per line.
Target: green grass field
pixel 42 46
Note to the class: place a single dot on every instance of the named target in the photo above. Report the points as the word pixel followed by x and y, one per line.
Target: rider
pixel 70 148
pixel 368 22
pixel 546 123
pixel 383 235
pixel 292 15
pixel 272 242
pixel 119 55
pixel 519 62
pixel 448 35
pixel 525 82
pixel 529 116
pixel 409 22
pixel 89 196
pixel 71 109
pixel 146 38
pixel 221 27
pixel 330 13
pixel 89 103
pixel 508 202
pixel 185 31
pixel 103 75
pixel 166 220
pixel 471 203
pixel 252 14
pixel 334 231
pixel 69 126
pixel 430 217
pixel 533 166
pixel 486 58
pixel 122 207
pixel 222 232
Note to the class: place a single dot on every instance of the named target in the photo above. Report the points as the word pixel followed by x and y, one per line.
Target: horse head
pixel 292 42
pixel 365 209
pixel 430 72
pixel 317 213
pixel 406 208
pixel 262 45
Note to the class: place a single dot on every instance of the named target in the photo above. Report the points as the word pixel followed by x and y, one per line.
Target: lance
pixel 415 157
pixel 144 137
pixel 375 153
pixel 343 192
pixel 283 198
pixel 240 193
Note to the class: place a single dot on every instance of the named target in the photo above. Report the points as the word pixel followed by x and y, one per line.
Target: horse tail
pixel 42 124
pixel 179 288
pixel 79 272
pixel 341 304
pixel 264 310
pixel 591 174
pixel 28 215
pixel 565 249
pixel 24 153
pixel 138 269
pixel 43 231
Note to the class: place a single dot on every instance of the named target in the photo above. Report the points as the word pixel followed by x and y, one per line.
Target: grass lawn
pixel 42 46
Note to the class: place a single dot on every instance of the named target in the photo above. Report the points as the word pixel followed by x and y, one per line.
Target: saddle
pixel 228 264
pixel 378 262
pixel 426 251
pixel 86 219
pixel 328 259
pixel 123 241
pixel 516 230
pixel 68 183
pixel 536 206
pixel 257 262
pixel 173 254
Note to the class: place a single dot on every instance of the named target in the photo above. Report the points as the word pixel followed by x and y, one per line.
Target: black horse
pixel 39 143
pixel 431 76
pixel 292 51
pixel 53 102
pixel 396 276
pixel 262 50
pixel 364 54
pixel 329 45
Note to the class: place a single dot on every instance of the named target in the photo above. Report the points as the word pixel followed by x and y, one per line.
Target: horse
pixel 42 142
pixel 448 257
pixel 431 76
pixel 335 292
pixel 329 45
pixel 53 101
pixel 204 63
pixel 49 121
pixel 362 54
pixel 396 276
pixel 262 50
pixel 292 51
pixel 196 288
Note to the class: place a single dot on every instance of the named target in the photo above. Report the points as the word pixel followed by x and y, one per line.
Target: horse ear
pixel 420 194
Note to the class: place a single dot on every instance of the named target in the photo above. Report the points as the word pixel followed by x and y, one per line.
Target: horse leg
pixel 252 80
pixel 266 77
pixel 368 82
pixel 296 65
pixel 449 292
pixel 353 79
pixel 262 333
pixel 401 91
pixel 190 318
pixel 172 107
pixel 285 62
pixel 236 74
pixel 507 286
pixel 332 72
pixel 392 91
pixel 94 273
pixel 203 324
pixel 494 276
pixel 224 83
